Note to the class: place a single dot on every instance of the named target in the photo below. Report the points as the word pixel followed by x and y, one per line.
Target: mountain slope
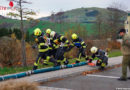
pixel 11 23
pixel 81 15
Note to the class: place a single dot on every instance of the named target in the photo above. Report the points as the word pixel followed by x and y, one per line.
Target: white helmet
pixel 94 50
pixel 52 34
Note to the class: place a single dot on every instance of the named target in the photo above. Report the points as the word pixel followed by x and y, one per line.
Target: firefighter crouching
pixel 100 54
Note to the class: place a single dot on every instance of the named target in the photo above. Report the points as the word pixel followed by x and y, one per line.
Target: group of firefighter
pixel 54 46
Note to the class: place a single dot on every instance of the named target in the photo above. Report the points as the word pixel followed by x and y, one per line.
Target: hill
pixel 62 21
pixel 81 15
pixel 11 23
pixel 62 27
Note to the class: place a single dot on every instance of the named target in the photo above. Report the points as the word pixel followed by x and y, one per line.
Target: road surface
pixel 106 80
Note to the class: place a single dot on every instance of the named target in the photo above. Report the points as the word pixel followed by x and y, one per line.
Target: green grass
pixel 61 28
pixel 115 53
pixel 14 22
pixel 11 70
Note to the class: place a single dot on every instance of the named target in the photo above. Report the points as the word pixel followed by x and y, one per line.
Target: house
pixel 127 24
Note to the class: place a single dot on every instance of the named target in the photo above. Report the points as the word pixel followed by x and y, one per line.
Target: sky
pixel 45 7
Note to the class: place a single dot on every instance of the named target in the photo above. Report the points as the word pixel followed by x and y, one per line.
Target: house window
pixel 127 31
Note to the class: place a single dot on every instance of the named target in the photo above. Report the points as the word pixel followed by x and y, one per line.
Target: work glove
pixel 34 46
pixel 84 46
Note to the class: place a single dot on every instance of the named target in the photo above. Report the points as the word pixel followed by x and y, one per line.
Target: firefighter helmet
pixel 48 31
pixel 74 36
pixel 94 50
pixel 37 32
pixel 52 34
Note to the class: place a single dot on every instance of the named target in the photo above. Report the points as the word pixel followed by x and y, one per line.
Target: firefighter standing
pixel 42 48
pixel 79 43
pixel 126 54
pixel 52 46
pixel 48 42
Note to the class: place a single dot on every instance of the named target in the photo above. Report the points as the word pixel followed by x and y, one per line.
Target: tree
pixel 17 33
pixel 60 19
pixel 4 32
pixel 116 17
pixel 99 24
pixel 23 13
pixel 52 17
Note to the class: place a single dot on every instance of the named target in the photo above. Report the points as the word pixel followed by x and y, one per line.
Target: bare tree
pixel 22 14
pixel 99 22
pixel 52 17
pixel 60 19
pixel 116 17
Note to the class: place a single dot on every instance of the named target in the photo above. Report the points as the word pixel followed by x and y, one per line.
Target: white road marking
pixel 90 75
pixel 51 88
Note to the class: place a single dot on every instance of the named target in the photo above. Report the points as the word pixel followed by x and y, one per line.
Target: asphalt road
pixel 106 80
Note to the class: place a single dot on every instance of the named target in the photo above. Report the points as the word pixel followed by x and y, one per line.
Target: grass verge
pixel 11 70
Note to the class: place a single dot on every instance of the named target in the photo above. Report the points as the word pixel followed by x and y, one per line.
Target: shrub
pixel 9 51
pixel 18 85
pixel 114 45
pixel 4 32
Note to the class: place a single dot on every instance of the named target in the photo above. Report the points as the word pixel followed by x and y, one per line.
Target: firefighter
pixel 101 55
pixel 62 45
pixel 52 46
pixel 48 39
pixel 42 48
pixel 125 48
pixel 48 31
pixel 80 44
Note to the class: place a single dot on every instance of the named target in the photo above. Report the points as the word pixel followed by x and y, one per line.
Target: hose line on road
pixel 43 70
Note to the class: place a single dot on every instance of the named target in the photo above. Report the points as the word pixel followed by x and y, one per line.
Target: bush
pixel 31 54
pixel 10 51
pixel 114 45
pixel 18 85
pixel 17 33
pixel 4 32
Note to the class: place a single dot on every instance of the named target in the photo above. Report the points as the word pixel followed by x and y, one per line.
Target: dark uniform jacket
pixel 100 54
pixel 58 39
pixel 79 43
pixel 126 45
pixel 42 47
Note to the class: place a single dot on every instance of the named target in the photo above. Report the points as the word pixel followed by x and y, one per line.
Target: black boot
pixel 129 78
pixel 122 79
pixel 90 60
pixel 45 64
pixel 98 63
pixel 35 67
pixel 66 62
pixel 101 68
pixel 87 58
pixel 77 61
pixel 54 61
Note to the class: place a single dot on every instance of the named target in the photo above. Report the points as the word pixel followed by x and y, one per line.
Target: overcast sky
pixel 45 7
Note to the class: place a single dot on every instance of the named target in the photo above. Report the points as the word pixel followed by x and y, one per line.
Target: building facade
pixel 127 24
